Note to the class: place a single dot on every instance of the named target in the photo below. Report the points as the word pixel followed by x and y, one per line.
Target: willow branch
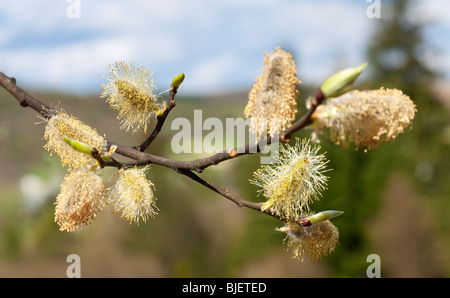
pixel 201 164
pixel 222 191
pixel 305 120
pixel 24 99
pixel 197 165
pixel 160 121
pixel 241 202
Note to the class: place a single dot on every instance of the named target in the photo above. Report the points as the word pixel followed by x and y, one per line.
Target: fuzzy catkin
pixel 79 201
pixel 366 118
pixel 312 241
pixel 132 196
pixel 62 125
pixel 294 180
pixel 131 91
pixel 274 95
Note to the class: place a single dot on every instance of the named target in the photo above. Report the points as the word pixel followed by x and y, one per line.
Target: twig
pixel 161 119
pixel 24 99
pixel 197 165
pixel 238 201
pixel 222 191
pixel 305 120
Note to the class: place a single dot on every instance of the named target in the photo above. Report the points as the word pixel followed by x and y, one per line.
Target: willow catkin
pixel 366 118
pixel 61 126
pixel 274 95
pixel 131 91
pixel 312 241
pixel 132 196
pixel 294 180
pixel 79 201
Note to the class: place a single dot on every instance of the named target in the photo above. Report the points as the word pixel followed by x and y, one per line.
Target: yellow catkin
pixel 62 125
pixel 130 91
pixel 274 94
pixel 294 180
pixel 132 196
pixel 366 118
pixel 312 241
pixel 79 201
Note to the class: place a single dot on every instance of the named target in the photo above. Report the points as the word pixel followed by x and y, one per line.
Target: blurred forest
pixel 395 198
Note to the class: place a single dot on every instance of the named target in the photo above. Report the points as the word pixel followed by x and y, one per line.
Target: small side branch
pixel 222 191
pixel 160 121
pixel 305 120
pixel 241 202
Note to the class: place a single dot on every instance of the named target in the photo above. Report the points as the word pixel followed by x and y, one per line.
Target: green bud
pixel 79 146
pixel 342 81
pixel 177 80
pixel 324 215
pixel 268 204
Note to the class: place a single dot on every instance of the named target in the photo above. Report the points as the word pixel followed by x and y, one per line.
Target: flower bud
pixel 177 80
pixel 342 81
pixel 79 146
pixel 321 216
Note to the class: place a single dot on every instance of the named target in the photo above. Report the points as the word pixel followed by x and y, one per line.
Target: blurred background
pixel 395 198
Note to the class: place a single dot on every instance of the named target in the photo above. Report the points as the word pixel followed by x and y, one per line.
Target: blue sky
pixel 219 45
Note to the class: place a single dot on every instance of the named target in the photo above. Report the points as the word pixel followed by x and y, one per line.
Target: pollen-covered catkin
pixel 132 196
pixel 61 126
pixel 274 95
pixel 366 118
pixel 312 241
pixel 131 91
pixel 293 181
pixel 79 201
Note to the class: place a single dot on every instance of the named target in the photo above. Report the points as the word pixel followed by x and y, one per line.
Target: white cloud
pixel 200 38
pixel 210 74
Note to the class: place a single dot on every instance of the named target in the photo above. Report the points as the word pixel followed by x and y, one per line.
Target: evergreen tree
pixel 396 55
pixel 396 58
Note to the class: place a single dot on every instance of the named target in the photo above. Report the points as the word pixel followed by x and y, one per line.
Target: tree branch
pixel 24 99
pixel 241 202
pixel 222 191
pixel 161 119
pixel 305 120
pixel 197 165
